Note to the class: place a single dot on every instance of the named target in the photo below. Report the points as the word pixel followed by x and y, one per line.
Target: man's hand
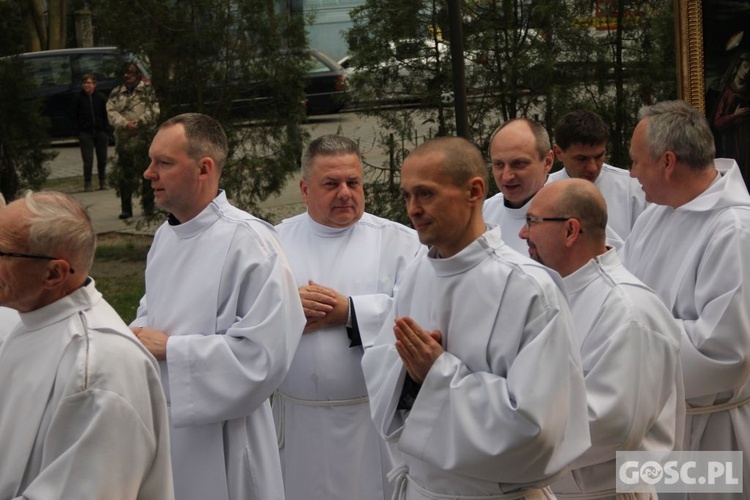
pixel 323 306
pixel 418 348
pixel 153 340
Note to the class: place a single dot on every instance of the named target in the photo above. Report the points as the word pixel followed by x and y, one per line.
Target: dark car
pixel 57 74
pixel 324 86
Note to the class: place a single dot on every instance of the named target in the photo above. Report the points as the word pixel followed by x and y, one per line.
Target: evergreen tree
pixel 222 58
pixel 23 140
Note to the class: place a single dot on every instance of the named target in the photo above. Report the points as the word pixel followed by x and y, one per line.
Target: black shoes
pixel 87 187
pixel 125 215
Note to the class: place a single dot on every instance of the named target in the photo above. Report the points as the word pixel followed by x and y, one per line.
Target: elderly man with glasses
pixel 629 341
pixel 82 411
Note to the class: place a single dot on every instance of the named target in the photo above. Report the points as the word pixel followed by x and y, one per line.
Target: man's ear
pixel 57 273
pixel 558 151
pixel 549 159
pixel 477 189
pixel 670 164
pixel 572 231
pixel 303 189
pixel 206 166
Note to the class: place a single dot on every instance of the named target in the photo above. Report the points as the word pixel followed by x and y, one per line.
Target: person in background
pixel 89 119
pixel 82 410
pixel 629 341
pixel 347 263
pixel 521 159
pixel 132 110
pixel 581 145
pixel 691 246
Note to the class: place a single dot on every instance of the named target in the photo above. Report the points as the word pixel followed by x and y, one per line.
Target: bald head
pixel 567 223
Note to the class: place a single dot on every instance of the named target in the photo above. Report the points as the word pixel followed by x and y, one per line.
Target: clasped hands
pixel 323 306
pixel 418 348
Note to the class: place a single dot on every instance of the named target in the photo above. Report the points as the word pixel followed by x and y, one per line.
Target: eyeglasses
pixel 30 256
pixel 533 220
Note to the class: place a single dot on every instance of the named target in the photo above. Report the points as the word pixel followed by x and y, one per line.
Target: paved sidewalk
pixel 104 206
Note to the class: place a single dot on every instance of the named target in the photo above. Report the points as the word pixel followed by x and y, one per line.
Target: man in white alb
pixel 691 246
pixel 629 340
pixel 82 410
pixel 347 264
pixel 581 146
pixel 521 158
pixel 475 379
pixel 222 314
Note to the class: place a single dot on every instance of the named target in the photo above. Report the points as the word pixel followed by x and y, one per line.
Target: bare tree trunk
pixel 58 20
pixel 33 16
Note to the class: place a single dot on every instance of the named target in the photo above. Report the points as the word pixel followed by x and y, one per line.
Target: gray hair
pixel 61 227
pixel 205 137
pixel 678 127
pixel 327 145
pixel 540 133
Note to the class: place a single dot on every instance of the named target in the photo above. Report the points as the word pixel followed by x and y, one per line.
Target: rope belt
pixel 708 410
pixel 280 399
pixel 400 477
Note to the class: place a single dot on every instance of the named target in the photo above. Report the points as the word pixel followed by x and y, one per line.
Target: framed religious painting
pixel 713 57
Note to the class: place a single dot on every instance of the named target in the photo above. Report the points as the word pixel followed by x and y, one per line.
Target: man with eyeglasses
pixel 82 410
pixel 628 339
pixel 475 378
pixel 692 246
pixel 521 158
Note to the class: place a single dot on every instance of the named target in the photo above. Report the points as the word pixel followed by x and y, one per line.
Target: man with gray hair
pixel 347 264
pixel 82 411
pixel 691 247
pixel 222 315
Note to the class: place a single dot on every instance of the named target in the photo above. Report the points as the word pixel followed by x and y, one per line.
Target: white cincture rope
pixel 400 478
pixel 707 410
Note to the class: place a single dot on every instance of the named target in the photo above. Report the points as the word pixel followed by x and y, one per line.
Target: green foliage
pixel 537 58
pixel 23 140
pixel 218 57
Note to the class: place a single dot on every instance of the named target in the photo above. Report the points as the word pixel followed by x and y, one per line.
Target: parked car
pixel 324 86
pixel 57 75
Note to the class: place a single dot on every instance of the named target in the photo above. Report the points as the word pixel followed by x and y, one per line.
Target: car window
pixel 49 71
pixel 104 66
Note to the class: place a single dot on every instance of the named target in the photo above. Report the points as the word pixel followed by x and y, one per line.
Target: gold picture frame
pixel 713 70
pixel 691 81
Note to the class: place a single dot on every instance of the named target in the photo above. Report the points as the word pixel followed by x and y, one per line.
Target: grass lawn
pixel 118 271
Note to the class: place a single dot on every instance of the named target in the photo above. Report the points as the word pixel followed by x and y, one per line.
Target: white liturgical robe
pixel 511 220
pixel 622 329
pixel 82 411
pixel 220 287
pixel 696 258
pixel 503 409
pixel 623 194
pixel 8 321
pixel 330 449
